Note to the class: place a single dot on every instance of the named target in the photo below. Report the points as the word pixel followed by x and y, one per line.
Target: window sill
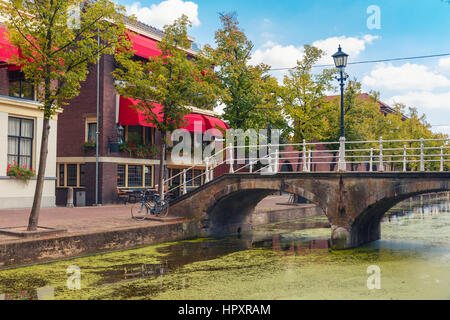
pixel 34 178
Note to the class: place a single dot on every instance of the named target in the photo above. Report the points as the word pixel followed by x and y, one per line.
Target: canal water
pixel 289 260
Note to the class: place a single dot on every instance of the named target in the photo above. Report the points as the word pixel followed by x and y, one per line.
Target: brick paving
pixel 98 219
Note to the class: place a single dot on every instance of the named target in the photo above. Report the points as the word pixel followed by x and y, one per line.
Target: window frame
pixel 20 137
pixel 179 179
pixel 21 80
pixel 88 121
pixel 58 172
pixel 143 167
pixel 143 133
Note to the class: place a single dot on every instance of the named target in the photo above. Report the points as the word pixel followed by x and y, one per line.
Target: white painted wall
pixel 19 194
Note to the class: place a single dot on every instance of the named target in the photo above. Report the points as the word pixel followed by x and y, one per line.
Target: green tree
pixel 55 53
pixel 174 80
pixel 247 90
pixel 302 96
pixel 363 121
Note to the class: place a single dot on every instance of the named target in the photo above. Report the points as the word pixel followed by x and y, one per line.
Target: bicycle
pixel 150 204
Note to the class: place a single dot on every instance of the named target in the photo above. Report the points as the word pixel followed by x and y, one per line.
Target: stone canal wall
pixel 19 252
pixel 72 245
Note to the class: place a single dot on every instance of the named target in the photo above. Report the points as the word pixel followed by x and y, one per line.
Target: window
pixel 173 173
pixel 148 175
pixel 134 134
pixel 20 141
pixel 19 87
pixel 194 177
pixel 71 175
pixel 134 176
pixel 149 135
pixel 121 175
pixel 140 135
pixel 92 131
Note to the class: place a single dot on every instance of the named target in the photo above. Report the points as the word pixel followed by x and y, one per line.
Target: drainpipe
pixel 98 124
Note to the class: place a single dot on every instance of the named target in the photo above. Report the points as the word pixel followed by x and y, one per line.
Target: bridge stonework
pixel 354 202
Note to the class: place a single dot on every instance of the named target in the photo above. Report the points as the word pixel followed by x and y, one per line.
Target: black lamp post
pixel 340 61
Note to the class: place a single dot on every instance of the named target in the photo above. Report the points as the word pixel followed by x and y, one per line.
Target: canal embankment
pixel 101 229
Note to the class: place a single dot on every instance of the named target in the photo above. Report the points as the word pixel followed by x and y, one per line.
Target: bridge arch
pixel 367 226
pixel 353 202
pixel 231 211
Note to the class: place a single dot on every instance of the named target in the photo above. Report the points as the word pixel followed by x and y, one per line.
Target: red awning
pixel 7 50
pixel 143 46
pixel 213 124
pixel 130 116
pixel 195 122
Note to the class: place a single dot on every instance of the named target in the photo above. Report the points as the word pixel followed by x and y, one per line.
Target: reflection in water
pixel 289 260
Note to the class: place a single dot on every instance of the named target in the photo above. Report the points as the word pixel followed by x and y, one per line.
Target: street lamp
pixel 340 61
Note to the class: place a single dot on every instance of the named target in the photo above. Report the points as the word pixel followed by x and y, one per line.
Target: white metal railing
pixel 377 155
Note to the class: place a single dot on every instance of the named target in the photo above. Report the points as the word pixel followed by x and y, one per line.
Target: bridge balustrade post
pixel 211 172
pixel 269 155
pixel 276 164
pixel 309 160
pixel 422 162
pixel 207 170
pixel 305 169
pixel 441 169
pixel 342 166
pixel 381 167
pixel 231 159
pixel 184 182
pixel 251 165
pixel 404 158
pixel 371 160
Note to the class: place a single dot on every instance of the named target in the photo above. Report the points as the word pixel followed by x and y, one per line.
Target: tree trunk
pixel 34 215
pixel 162 165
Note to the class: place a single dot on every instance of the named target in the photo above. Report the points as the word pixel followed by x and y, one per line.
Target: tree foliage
pixel 249 93
pixel 302 96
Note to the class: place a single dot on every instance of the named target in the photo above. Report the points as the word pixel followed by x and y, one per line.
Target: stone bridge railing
pixel 420 155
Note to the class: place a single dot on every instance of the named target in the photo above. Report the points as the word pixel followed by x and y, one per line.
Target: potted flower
pixel 19 172
pixel 88 145
pixel 138 150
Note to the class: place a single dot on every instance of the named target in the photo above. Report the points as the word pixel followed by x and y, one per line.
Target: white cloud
pixel 158 15
pixel 279 56
pixel 353 46
pixel 442 129
pixel 444 63
pixel 424 100
pixel 406 77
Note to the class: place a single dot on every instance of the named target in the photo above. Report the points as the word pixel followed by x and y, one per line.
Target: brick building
pixel 118 122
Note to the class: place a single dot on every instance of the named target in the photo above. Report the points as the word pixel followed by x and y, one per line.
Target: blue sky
pixel 280 28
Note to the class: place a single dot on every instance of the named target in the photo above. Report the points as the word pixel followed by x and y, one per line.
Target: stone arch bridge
pixel 354 202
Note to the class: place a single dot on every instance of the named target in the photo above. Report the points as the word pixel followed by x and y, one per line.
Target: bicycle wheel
pixel 139 211
pixel 162 208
